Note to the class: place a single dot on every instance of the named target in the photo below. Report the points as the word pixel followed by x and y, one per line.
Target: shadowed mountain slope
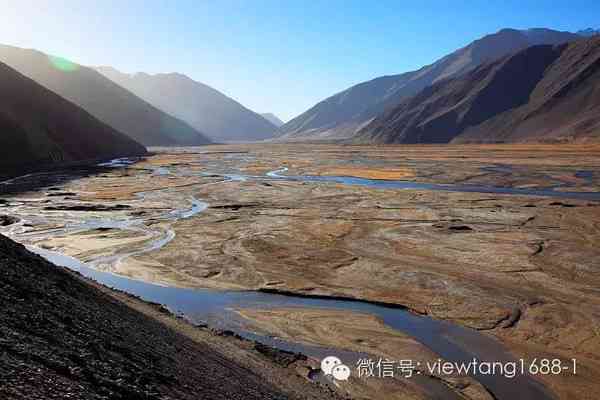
pixel 542 93
pixel 62 338
pixel 344 113
pixel 102 98
pixel 38 127
pixel 204 108
pixel 588 32
pixel 564 105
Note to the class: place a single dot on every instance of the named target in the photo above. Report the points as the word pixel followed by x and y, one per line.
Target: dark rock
pixel 56 194
pixel 512 319
pixel 281 357
pixel 234 207
pixel 6 220
pixel 561 204
pixel 460 228
pixel 87 207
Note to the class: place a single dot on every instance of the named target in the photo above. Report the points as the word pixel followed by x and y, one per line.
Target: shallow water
pixel 119 162
pixel 466 188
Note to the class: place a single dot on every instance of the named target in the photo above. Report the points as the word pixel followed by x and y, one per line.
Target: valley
pixel 488 242
pixel 300 201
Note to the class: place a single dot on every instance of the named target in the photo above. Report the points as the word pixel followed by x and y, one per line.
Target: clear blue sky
pixel 278 56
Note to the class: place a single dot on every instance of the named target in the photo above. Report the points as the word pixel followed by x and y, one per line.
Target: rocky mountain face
pixel 102 98
pixel 272 118
pixel 38 127
pixel 344 113
pixel 206 109
pixel 542 93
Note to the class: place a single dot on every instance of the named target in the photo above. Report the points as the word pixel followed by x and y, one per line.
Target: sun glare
pixel 63 64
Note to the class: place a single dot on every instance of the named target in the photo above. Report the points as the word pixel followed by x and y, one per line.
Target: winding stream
pixel 217 308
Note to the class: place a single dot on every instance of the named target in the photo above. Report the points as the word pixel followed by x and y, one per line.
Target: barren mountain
pixel 542 93
pixel 38 127
pixel 344 113
pixel 588 32
pixel 102 98
pixel 204 108
pixel 272 118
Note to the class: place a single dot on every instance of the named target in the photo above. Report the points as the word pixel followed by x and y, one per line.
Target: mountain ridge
pixel 41 128
pixel 272 118
pixel 203 107
pixel 588 32
pixel 102 98
pixel 542 93
pixel 344 113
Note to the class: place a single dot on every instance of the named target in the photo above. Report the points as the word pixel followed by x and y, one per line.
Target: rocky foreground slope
pixel 542 93
pixel 102 98
pixel 62 338
pixel 38 127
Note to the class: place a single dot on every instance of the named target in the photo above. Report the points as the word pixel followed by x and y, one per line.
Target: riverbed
pixel 173 199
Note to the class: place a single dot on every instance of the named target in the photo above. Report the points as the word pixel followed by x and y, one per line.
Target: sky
pixel 273 56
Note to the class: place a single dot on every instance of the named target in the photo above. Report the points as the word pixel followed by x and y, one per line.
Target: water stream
pixel 217 309
pixel 463 188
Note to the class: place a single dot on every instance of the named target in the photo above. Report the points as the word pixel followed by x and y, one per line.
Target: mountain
pixel 343 114
pixel 588 32
pixel 38 127
pixel 272 118
pixel 201 106
pixel 102 98
pixel 543 93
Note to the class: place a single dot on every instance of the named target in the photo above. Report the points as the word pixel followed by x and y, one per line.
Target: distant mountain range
pixel 103 98
pixel 345 113
pixel 40 128
pixel 510 86
pixel 272 118
pixel 542 93
pixel 204 108
pixel 588 32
